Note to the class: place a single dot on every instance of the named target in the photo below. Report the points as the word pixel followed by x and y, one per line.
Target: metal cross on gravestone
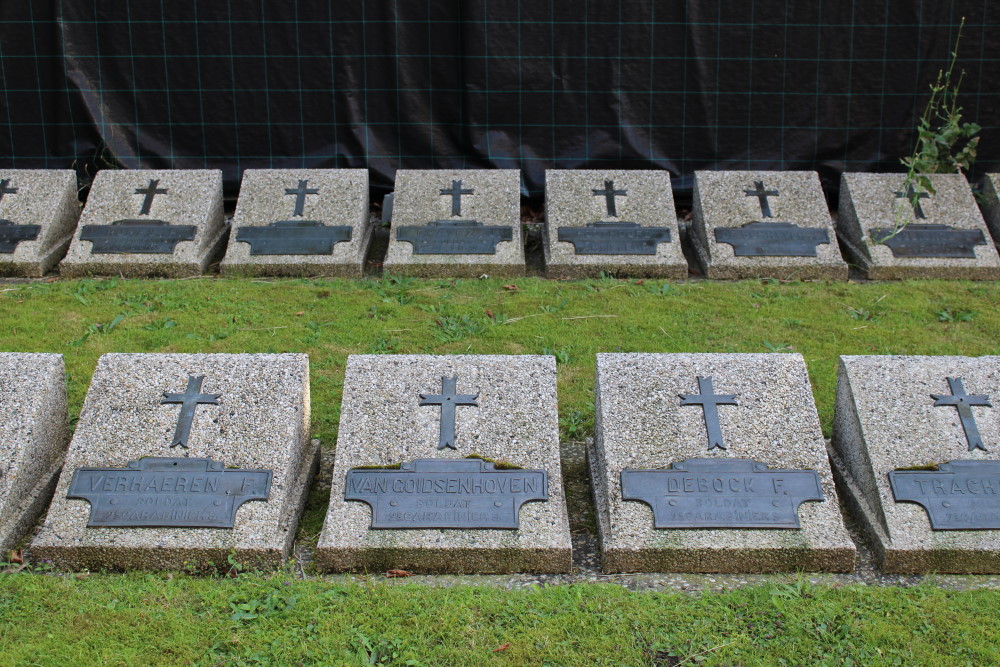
pixel 149 192
pixel 189 402
pixel 609 193
pixel 964 402
pixel 448 399
pixel 300 196
pixel 5 189
pixel 456 193
pixel 709 401
pixel 914 198
pixel 761 194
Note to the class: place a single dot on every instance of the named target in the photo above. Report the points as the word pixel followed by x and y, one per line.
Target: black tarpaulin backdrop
pixel 639 84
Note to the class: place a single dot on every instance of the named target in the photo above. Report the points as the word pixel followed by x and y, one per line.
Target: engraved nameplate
pixel 614 238
pixel 168 493
pixel 454 237
pixel 722 493
pixel 446 493
pixel 153 237
pixel 959 495
pixel 916 240
pixel 772 239
pixel 12 234
pixel 292 237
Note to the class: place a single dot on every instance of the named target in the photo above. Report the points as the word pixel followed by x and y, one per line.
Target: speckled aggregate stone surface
pixel 382 424
pixel 990 204
pixel 33 437
pixel 720 201
pixel 342 200
pixel 885 420
pixel 194 197
pixel 261 422
pixel 44 197
pixel 649 201
pixel 867 201
pixel 496 201
pixel 640 424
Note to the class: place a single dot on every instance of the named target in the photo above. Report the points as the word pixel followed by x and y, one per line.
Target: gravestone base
pixel 458 269
pixel 867 203
pixel 869 442
pixel 33 438
pixel 641 425
pixel 990 204
pixel 382 425
pixel 158 266
pixel 46 198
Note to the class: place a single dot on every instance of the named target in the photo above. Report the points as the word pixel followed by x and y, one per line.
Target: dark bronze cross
pixel 709 401
pixel 609 193
pixel 4 190
pixel 914 198
pixel 761 194
pixel 150 191
pixel 189 401
pixel 448 399
pixel 963 402
pixel 456 193
pixel 300 196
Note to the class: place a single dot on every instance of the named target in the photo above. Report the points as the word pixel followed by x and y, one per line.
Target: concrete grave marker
pixel 38 213
pixel 447 464
pixel 990 204
pixel 619 222
pixel 143 223
pixel 463 223
pixel 944 234
pixel 916 445
pixel 300 222
pixel 181 459
pixel 757 224
pixel 33 438
pixel 713 463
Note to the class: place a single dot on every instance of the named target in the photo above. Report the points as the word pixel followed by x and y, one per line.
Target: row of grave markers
pixel 467 223
pixel 701 462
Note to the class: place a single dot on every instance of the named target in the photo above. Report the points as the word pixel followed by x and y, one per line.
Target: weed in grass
pixel 778 347
pixel 576 425
pixel 949 315
pixel 554 308
pixel 860 314
pixel 160 324
pixel 95 329
pixel 382 346
pixel 661 289
pixel 451 328
pixel 561 355
pixel 268 603
pixel 381 650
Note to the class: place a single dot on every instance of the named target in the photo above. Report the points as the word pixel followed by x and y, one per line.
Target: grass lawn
pixel 56 618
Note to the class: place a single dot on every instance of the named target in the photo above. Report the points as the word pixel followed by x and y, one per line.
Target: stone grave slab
pixel 149 223
pixel 916 450
pixel 34 433
pixel 464 223
pixel 443 464
pixel 301 222
pixel 713 463
pixel 990 204
pixel 613 221
pixel 38 212
pixel 944 237
pixel 179 460
pixel 764 224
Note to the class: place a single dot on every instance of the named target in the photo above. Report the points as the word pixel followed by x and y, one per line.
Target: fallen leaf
pixel 15 556
pixel 502 647
pixel 300 313
pixel 512 288
pixel 489 314
pixel 639 282
pixel 391 574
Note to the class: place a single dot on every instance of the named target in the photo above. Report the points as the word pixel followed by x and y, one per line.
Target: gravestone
pixel 464 223
pixel 181 460
pixel 38 212
pixel 764 224
pixel 617 222
pixel 300 222
pixel 33 437
pixel 447 464
pixel 149 223
pixel 916 450
pixel 713 463
pixel 990 204
pixel 943 234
